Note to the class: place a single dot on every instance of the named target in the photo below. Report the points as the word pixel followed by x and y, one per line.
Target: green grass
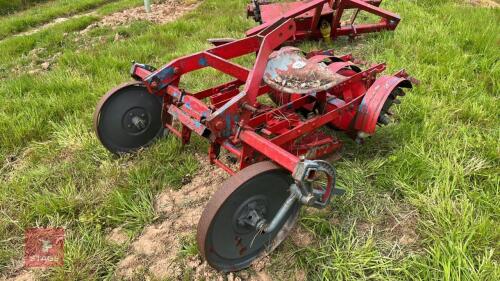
pixel 16 54
pixel 438 162
pixel 44 13
pixel 9 6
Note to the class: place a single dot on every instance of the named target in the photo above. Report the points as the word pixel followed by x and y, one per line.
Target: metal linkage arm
pixel 318 18
pixel 216 57
pixel 389 20
pixel 270 42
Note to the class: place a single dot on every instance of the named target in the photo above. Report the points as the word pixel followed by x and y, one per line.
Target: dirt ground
pixel 485 3
pixel 395 229
pixel 158 251
pixel 23 276
pixel 53 22
pixel 164 12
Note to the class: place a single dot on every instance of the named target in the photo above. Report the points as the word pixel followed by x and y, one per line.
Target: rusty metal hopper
pixel 288 71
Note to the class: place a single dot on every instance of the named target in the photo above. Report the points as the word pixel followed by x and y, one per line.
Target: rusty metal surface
pixel 290 72
pixel 308 95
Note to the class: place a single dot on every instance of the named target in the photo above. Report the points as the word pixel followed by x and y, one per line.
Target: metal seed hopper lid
pixel 288 71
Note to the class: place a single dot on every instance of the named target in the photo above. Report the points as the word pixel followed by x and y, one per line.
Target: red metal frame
pixel 309 15
pixel 251 131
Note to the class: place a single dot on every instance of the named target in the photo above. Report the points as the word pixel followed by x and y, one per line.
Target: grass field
pixel 10 6
pixel 43 13
pixel 422 194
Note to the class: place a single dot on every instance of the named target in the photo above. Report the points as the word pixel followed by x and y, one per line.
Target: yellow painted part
pixel 325 30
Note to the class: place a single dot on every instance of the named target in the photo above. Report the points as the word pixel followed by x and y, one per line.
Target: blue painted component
pixel 165 73
pixel 227 131
pixel 362 105
pixel 337 102
pixel 279 63
pixel 202 61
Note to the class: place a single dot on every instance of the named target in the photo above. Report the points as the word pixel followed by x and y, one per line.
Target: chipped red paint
pixel 310 15
pixel 374 99
pixel 230 116
pixel 312 93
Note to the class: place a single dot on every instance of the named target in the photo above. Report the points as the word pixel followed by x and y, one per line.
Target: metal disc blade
pixel 128 118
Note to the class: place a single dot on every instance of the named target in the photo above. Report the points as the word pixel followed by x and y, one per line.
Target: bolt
pixel 307 200
pixel 139 123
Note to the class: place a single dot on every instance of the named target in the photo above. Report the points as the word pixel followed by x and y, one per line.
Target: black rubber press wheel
pixel 226 239
pixel 383 118
pixel 128 118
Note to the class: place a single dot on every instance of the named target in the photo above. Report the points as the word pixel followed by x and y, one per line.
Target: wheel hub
pixel 250 213
pixel 136 120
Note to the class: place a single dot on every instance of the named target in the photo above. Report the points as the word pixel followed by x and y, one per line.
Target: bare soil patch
pixel 163 12
pixel 117 236
pixel 23 276
pixel 159 252
pixel 40 60
pixel 396 229
pixel 301 237
pixel 484 3
pixel 53 22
